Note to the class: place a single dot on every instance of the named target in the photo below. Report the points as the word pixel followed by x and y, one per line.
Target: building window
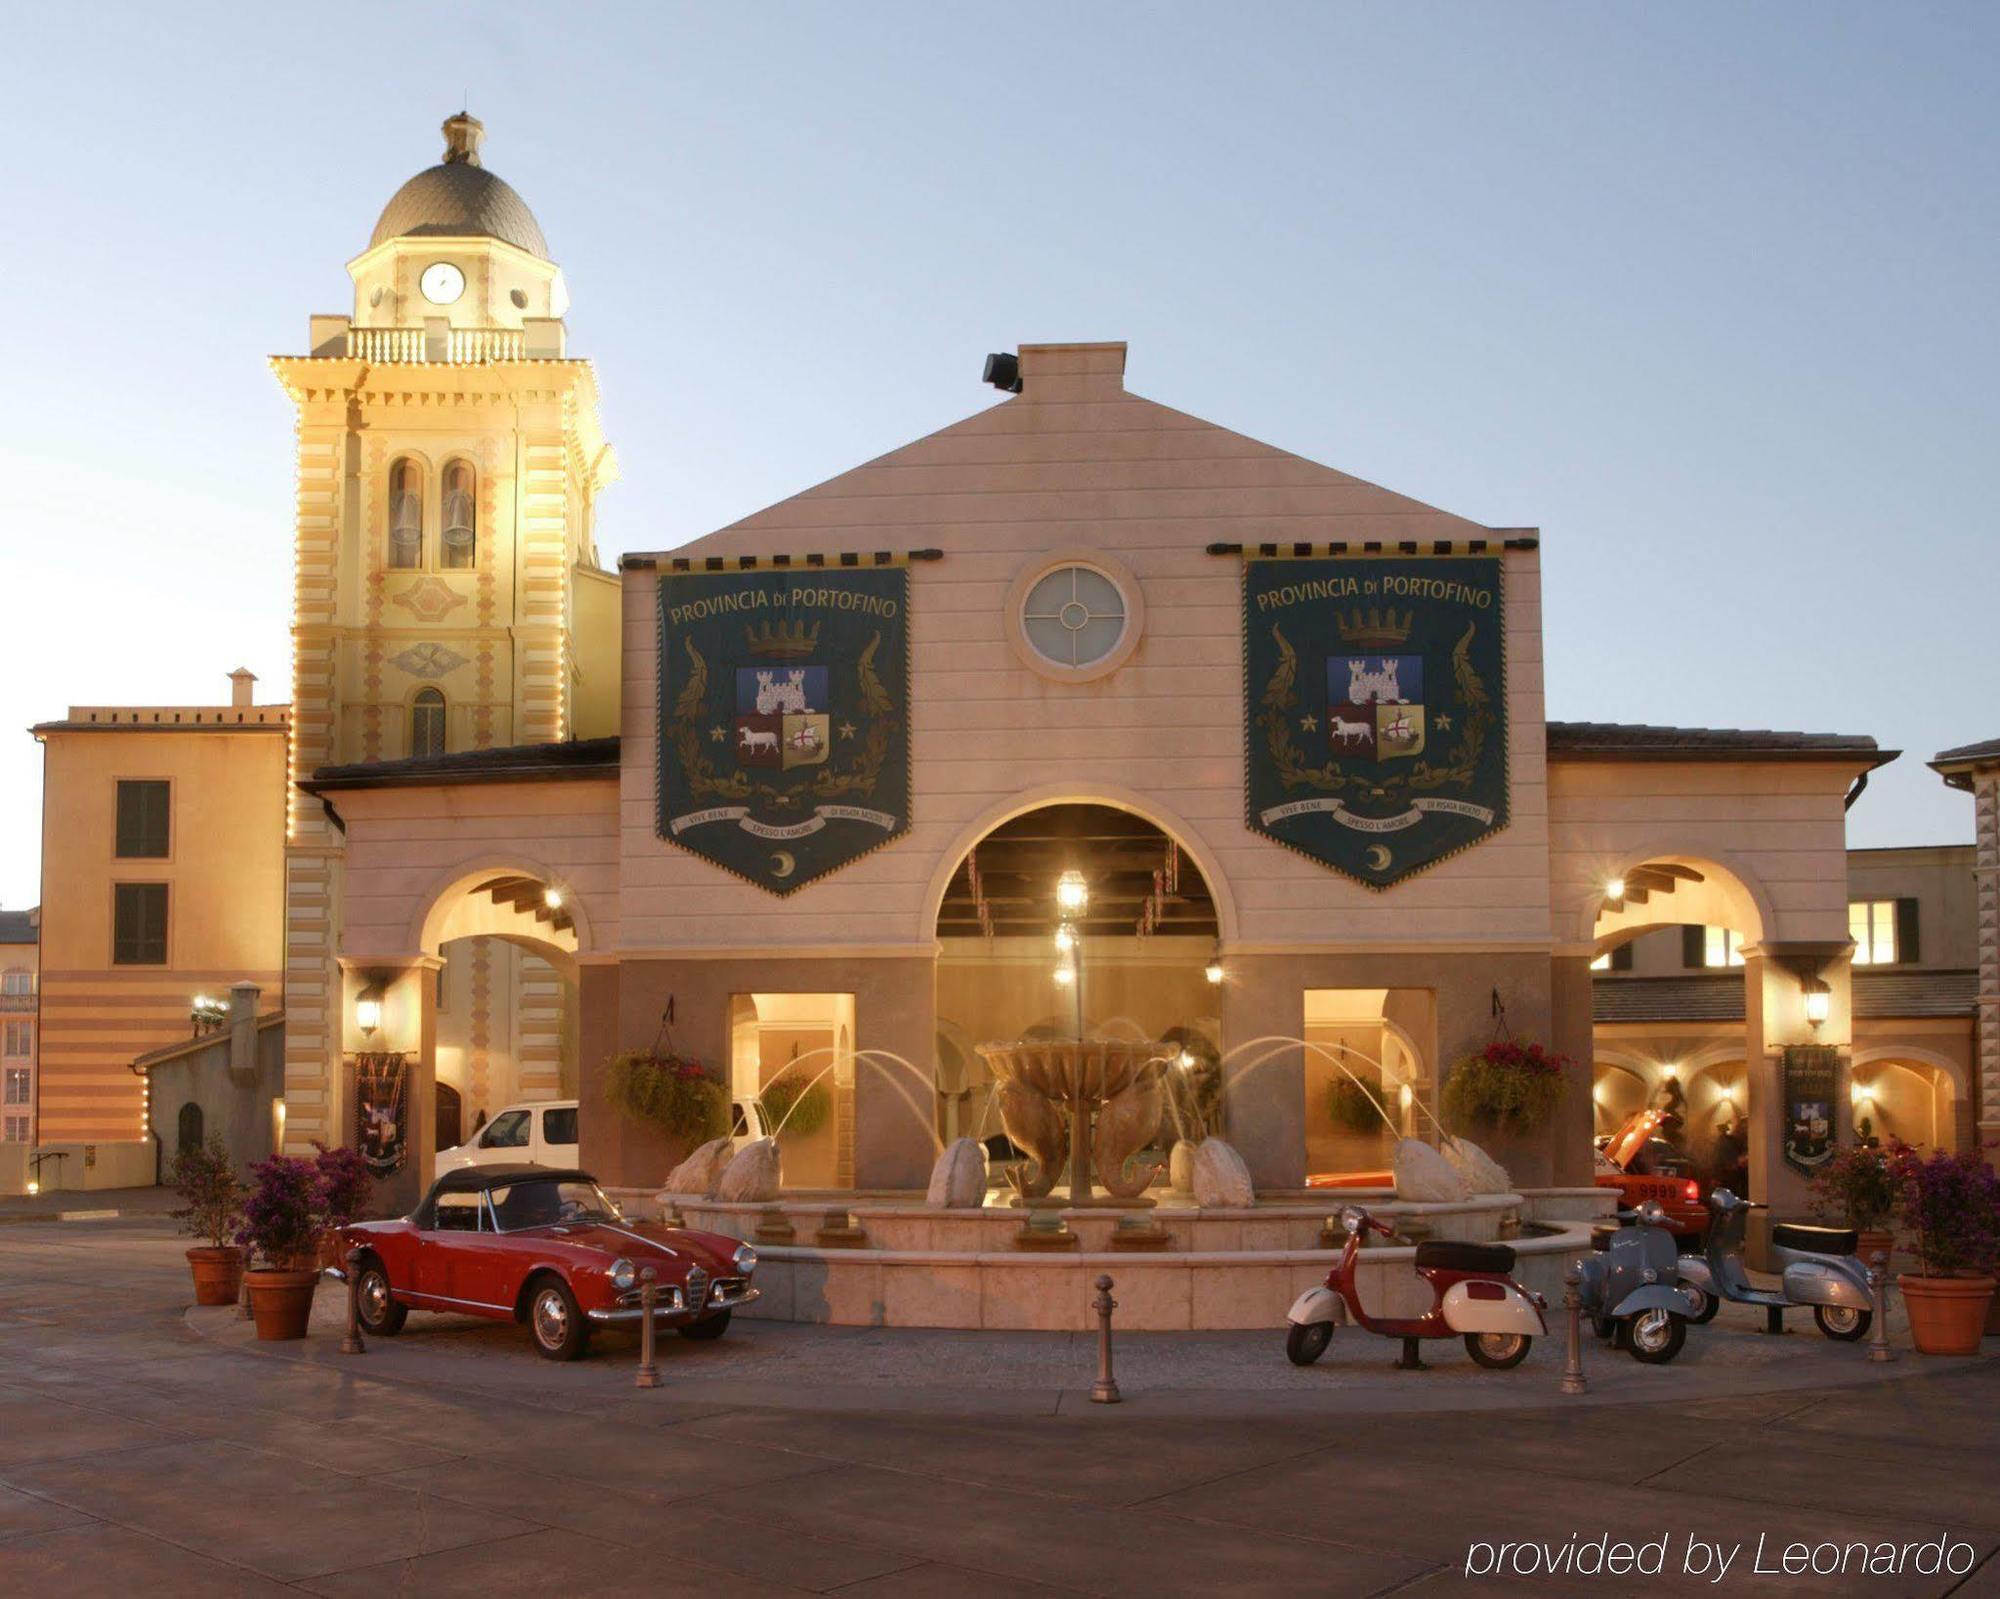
pixel 17 1085
pixel 188 1134
pixel 19 1042
pixel 461 518
pixel 1711 946
pixel 142 820
pixel 17 1129
pixel 427 722
pixel 1074 616
pixel 139 924
pixel 1884 931
pixel 17 980
pixel 406 515
pixel 1618 959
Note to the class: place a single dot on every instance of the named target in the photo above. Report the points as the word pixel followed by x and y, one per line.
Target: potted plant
pixel 281 1224
pixel 1354 1108
pixel 1950 1206
pixel 212 1201
pixel 1505 1088
pixel 1856 1188
pixel 345 1185
pixel 799 1108
pixel 669 1091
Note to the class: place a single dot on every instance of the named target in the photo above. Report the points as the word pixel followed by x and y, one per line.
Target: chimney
pixel 243 1031
pixel 240 683
pixel 462 136
pixel 1061 372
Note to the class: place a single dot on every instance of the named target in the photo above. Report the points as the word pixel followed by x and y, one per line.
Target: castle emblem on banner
pixel 784 750
pixel 1378 739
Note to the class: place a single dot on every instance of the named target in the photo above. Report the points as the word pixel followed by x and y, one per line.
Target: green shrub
pixel 798 1105
pixel 670 1092
pixel 1506 1087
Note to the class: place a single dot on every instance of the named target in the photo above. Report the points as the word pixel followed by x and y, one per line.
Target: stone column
pixel 1774 1015
pixel 408 989
pixel 1573 1033
pixel 1264 1098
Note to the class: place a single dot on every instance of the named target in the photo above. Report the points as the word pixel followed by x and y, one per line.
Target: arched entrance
pixel 1910 1094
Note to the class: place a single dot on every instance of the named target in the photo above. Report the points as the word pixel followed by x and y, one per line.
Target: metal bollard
pixel 1105 1390
pixel 351 1344
pixel 1878 1290
pixel 243 1310
pixel 1572 1381
pixel 648 1374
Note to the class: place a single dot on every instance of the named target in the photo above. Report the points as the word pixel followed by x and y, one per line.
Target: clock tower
pixel 447 595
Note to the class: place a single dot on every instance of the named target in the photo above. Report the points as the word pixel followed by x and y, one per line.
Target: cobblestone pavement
pixel 144 1446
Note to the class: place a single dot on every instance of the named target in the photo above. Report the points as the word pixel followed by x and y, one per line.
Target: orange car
pixel 1642 1165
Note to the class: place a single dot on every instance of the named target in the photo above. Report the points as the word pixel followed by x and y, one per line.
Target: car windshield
pixel 549 1202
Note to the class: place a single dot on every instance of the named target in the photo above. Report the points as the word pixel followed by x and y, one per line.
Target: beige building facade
pixel 20 968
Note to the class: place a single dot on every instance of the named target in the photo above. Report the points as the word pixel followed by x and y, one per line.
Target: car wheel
pixel 1307 1341
pixel 708 1327
pixel 1655 1336
pixel 554 1322
pixel 1705 1304
pixel 1498 1351
pixel 380 1315
pixel 1843 1323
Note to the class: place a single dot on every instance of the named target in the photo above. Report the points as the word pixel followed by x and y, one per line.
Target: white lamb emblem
pixel 1380 685
pixel 754 740
pixel 773 697
pixel 1346 732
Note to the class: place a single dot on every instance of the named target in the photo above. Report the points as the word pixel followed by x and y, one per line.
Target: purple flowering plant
pixel 345 1183
pixel 1950 1203
pixel 284 1212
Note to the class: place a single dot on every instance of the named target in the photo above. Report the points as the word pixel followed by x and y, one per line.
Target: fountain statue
pixel 1090 1104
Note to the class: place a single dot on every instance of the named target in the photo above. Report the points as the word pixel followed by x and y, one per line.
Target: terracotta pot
pixel 1875 1241
pixel 281 1301
pixel 1947 1314
pixel 218 1273
pixel 1993 1315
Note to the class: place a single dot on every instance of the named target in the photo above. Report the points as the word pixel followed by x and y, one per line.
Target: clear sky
pixel 1706 292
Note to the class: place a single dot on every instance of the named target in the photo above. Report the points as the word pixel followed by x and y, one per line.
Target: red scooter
pixel 1474 1297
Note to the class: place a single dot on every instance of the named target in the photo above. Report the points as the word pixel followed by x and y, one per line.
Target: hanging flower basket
pixel 797 1108
pixel 1352 1107
pixel 671 1092
pixel 1506 1087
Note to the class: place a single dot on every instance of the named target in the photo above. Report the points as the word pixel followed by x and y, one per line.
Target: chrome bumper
pixel 669 1308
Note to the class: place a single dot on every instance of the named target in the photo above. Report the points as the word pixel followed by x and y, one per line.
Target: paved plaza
pixel 147 1447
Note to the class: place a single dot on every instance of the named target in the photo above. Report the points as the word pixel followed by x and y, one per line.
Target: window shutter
pixel 1694 950
pixel 1621 958
pixel 1908 951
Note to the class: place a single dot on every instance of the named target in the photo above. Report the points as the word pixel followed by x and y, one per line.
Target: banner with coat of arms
pixel 1376 714
pixel 784 725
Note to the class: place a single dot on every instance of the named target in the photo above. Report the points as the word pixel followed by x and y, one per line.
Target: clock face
pixel 442 283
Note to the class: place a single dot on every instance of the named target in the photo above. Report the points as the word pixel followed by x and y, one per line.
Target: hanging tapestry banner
pixel 1376 713
pixel 382 1110
pixel 1809 1075
pixel 784 718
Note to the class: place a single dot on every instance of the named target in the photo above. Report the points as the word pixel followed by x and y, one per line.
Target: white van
pixel 544 1134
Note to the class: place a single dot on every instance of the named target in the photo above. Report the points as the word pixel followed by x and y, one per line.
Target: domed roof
pixel 459 197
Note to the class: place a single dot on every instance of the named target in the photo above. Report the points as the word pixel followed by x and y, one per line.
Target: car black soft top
pixel 472 1179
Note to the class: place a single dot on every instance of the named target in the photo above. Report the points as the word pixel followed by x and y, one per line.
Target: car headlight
pixel 744 1260
pixel 623 1273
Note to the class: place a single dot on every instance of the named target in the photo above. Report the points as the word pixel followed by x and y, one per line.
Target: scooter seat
pixel 1447 1255
pixel 1818 1240
pixel 1600 1237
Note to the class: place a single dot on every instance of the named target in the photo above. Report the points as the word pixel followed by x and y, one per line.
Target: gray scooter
pixel 1816 1266
pixel 1629 1287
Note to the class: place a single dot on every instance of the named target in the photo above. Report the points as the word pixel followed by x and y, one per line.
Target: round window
pixel 1074 616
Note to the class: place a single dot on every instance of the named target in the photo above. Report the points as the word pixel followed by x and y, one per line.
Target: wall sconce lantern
pixel 552 897
pixel 1614 888
pixel 1072 893
pixel 368 1011
pixel 1213 970
pixel 1819 1003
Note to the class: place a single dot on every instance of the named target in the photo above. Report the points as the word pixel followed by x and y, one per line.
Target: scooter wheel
pixel 1307 1341
pixel 1705 1304
pixel 1655 1336
pixel 1843 1323
pixel 1498 1351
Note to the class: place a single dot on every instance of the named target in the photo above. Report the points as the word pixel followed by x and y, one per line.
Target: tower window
pixel 461 517
pixel 406 515
pixel 427 722
pixel 139 924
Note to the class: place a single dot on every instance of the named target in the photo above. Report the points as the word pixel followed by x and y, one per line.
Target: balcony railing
pixel 17 1002
pixel 458 347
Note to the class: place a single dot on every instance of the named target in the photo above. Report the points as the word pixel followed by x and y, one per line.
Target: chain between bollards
pixel 1878 1290
pixel 1105 1390
pixel 1572 1381
pixel 648 1374
pixel 350 1343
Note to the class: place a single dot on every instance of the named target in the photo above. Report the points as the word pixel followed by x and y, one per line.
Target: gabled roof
pixel 1956 766
pixel 20 927
pixel 1630 741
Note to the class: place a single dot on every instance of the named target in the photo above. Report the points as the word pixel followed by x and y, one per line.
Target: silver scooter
pixel 1816 1266
pixel 1630 1286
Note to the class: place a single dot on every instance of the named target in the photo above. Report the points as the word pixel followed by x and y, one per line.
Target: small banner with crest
pixel 1376 714
pixel 784 718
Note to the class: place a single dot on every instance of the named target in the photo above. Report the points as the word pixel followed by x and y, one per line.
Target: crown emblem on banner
pixel 1375 629
pixel 787 641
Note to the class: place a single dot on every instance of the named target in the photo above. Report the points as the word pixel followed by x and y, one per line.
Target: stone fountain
pixel 1088 1104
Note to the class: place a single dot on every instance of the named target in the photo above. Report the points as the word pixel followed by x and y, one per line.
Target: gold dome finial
pixel 462 136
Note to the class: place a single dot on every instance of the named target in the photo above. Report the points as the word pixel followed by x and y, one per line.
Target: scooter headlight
pixel 1652 1214
pixel 623 1274
pixel 1350 1219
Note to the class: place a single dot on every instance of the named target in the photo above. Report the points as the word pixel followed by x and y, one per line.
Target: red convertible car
pixel 547 1248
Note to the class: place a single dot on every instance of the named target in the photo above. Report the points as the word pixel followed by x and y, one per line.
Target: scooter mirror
pixel 1350 1218
pixel 1722 1199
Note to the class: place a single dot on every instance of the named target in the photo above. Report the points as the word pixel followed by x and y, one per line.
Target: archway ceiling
pixel 1005 886
pixel 529 897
